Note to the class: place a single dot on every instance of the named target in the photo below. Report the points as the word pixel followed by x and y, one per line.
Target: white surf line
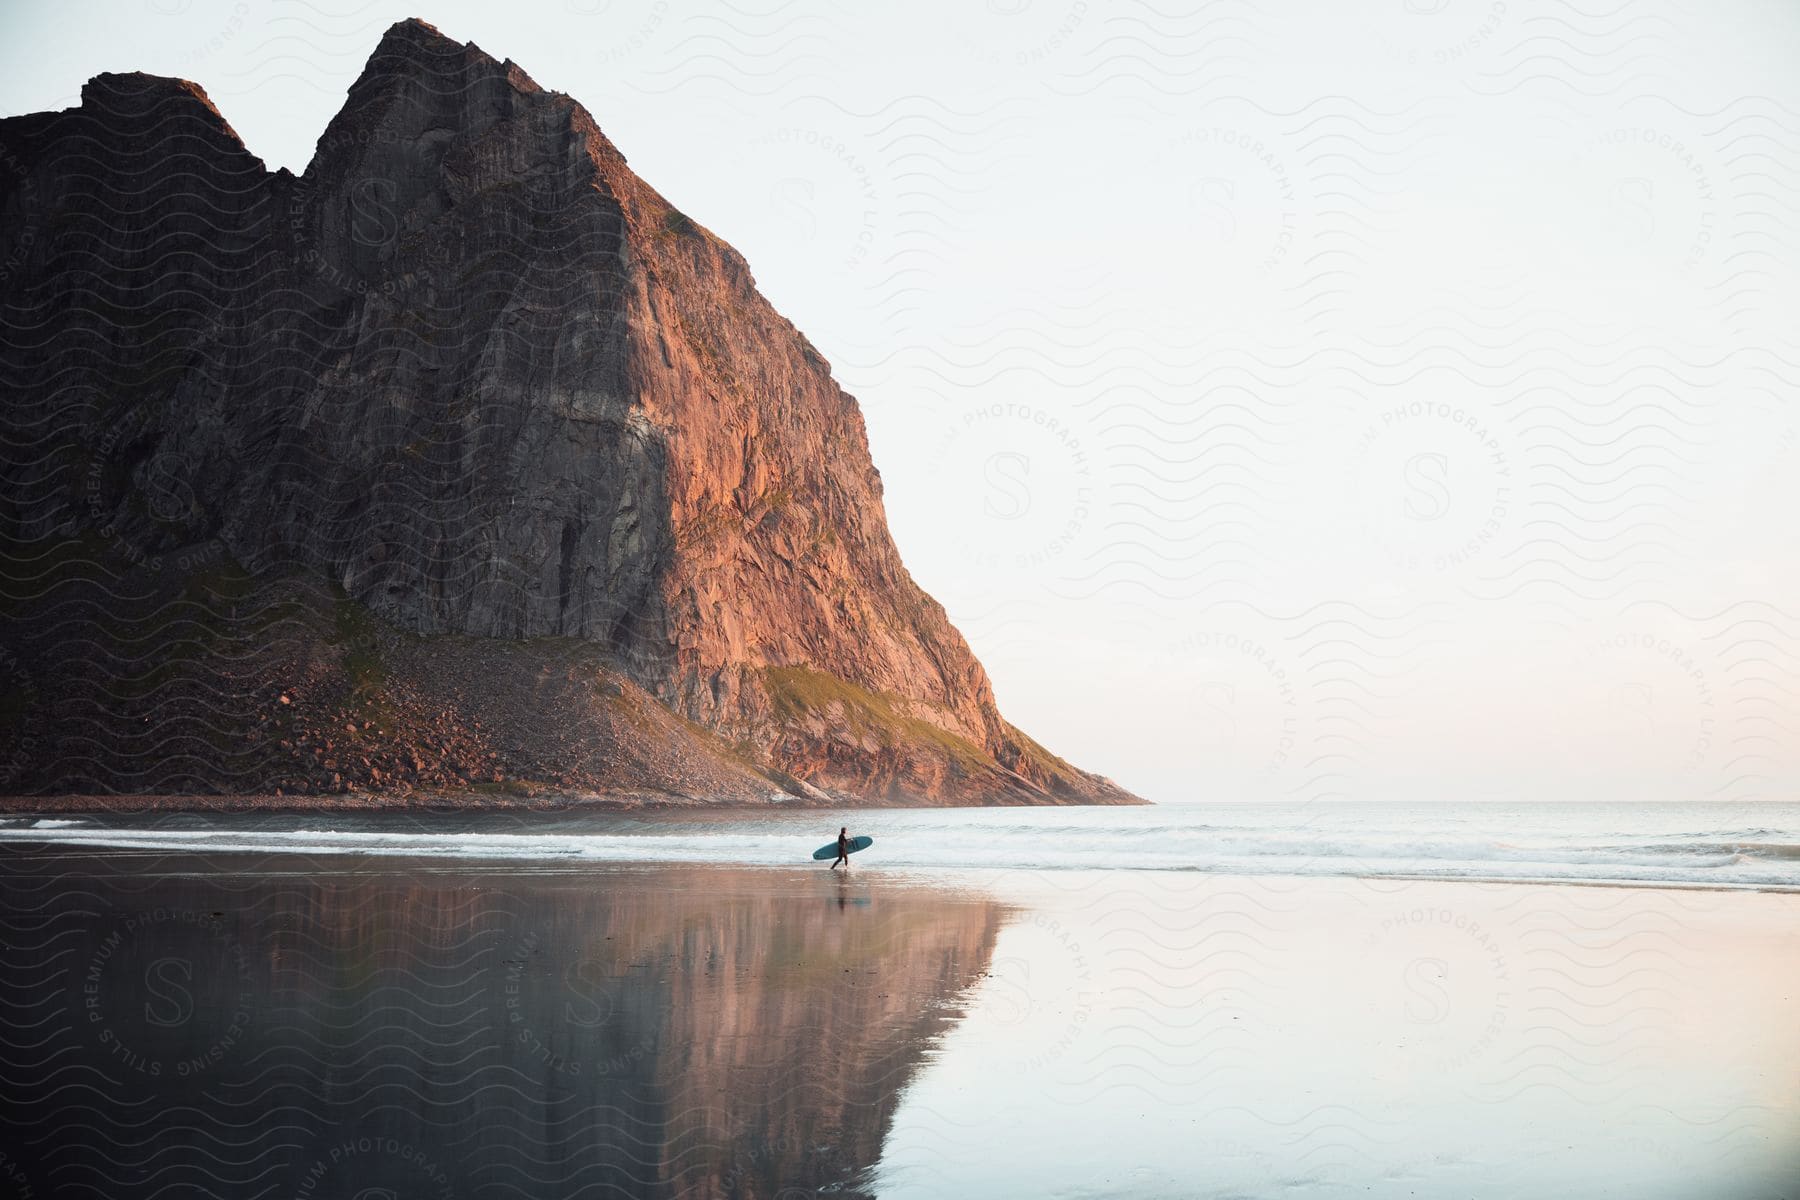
pixel 773 850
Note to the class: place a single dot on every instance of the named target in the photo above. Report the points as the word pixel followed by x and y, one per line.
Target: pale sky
pixel 1304 401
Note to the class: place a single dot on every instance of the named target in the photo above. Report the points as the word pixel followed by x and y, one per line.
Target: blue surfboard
pixel 829 850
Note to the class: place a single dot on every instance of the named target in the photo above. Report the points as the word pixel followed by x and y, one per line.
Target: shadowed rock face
pixel 474 376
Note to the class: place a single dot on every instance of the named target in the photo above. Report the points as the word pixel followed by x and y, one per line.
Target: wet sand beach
pixel 301 1026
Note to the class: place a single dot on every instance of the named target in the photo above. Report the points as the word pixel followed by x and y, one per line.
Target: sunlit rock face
pixel 472 375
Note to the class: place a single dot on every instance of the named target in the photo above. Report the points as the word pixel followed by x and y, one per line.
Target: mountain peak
pixel 419 39
pixel 552 493
pixel 419 91
pixel 417 48
pixel 414 27
pixel 139 99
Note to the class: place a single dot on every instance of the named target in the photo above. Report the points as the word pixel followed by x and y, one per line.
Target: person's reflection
pixel 847 897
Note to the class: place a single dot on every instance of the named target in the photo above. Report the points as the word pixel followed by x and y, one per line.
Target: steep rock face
pixel 472 371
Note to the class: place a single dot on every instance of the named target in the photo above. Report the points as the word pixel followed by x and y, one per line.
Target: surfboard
pixel 829 850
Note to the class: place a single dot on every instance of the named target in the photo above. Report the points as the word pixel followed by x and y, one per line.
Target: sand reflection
pixel 651 1033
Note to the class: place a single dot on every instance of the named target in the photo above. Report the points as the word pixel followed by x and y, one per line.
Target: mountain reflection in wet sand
pixel 712 1033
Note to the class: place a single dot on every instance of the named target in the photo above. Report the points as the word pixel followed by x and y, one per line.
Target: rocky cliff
pixel 461 459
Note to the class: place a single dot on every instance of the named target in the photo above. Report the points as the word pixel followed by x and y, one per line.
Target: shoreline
pixel 1691 854
pixel 952 877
